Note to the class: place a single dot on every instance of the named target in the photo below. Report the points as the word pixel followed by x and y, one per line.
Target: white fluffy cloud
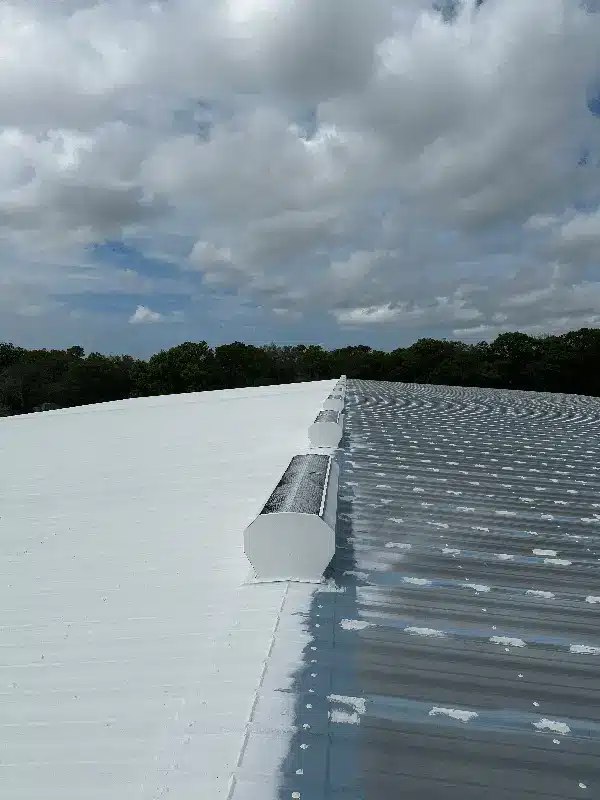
pixel 145 316
pixel 365 162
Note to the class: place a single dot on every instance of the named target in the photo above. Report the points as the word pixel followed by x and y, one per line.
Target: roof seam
pixel 233 781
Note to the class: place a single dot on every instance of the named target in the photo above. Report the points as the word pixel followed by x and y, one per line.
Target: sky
pixel 319 171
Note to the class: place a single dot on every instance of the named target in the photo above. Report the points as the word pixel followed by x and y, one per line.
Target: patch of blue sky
pixel 307 123
pixel 122 255
pixel 199 117
pixel 124 303
pixel 589 155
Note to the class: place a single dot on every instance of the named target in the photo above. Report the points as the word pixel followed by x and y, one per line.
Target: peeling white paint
pixel 540 593
pixel 504 556
pixel 454 713
pixel 357 573
pixel 357 705
pixel 552 725
pixel 399 545
pixel 584 649
pixel 477 587
pixel 559 562
pixel 344 717
pixel 417 581
pixel 354 624
pixel 424 631
pixel 509 641
pixel 538 552
pixel 592 599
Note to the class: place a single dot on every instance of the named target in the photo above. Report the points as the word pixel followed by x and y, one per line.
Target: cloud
pixel 577 240
pixel 417 176
pixel 439 312
pixel 145 316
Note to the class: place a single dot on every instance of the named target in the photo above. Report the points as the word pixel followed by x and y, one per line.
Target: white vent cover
pixel 293 538
pixel 327 429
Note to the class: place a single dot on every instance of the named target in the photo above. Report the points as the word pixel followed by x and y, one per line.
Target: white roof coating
pixel 132 646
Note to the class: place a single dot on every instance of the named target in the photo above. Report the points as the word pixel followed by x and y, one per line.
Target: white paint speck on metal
pixel 584 649
pixel 453 713
pixel 424 631
pixel 477 587
pixel 552 725
pixel 354 624
pixel 417 581
pixel 351 714
pixel 509 641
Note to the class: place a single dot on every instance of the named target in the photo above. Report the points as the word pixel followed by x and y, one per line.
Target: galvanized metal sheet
pixel 457 652
pixel 302 486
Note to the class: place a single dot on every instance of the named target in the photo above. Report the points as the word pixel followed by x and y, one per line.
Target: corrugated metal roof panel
pixel 460 655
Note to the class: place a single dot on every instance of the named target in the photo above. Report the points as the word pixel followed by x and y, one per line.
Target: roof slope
pixel 130 650
pixel 461 656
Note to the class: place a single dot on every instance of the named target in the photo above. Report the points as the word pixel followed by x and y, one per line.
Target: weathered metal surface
pixel 457 654
pixel 302 486
pixel 328 416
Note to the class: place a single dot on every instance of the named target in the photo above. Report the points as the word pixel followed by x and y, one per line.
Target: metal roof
pixel 131 645
pixel 457 655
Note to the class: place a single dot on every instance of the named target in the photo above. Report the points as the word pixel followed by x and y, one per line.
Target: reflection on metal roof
pixel 457 655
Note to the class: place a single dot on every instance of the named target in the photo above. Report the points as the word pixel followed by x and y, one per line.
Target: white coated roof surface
pixel 132 645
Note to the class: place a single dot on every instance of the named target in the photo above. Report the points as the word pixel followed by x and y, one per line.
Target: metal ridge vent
pixel 293 537
pixel 327 429
pixel 334 402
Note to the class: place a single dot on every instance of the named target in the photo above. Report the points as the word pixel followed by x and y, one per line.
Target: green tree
pixel 515 357
pixel 187 367
pixel 238 364
pixel 314 363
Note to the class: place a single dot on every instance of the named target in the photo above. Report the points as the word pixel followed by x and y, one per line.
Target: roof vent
pixel 334 402
pixel 293 537
pixel 327 429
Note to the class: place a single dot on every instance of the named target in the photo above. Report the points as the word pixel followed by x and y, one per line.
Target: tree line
pixel 39 380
